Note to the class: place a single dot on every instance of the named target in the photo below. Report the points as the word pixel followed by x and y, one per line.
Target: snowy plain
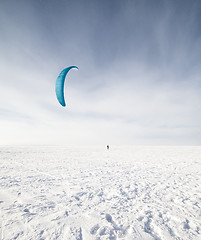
pixel 85 193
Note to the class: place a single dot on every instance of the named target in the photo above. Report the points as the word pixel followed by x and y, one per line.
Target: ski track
pixel 92 193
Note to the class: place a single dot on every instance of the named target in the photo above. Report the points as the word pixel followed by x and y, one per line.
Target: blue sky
pixel 139 78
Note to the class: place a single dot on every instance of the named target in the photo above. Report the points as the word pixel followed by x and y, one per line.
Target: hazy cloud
pixel 139 78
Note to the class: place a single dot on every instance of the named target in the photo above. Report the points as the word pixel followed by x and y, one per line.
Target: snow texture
pixel 94 193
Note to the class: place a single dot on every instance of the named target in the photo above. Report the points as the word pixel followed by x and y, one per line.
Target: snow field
pixel 93 193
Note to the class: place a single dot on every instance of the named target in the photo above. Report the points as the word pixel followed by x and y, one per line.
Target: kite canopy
pixel 59 87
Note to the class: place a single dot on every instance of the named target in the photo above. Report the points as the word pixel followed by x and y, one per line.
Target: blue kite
pixel 59 87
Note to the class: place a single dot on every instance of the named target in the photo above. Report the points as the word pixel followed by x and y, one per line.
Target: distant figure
pixel 108 147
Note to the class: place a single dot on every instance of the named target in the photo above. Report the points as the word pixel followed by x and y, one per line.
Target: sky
pixel 139 77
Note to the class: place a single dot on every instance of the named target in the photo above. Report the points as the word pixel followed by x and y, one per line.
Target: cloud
pixel 139 77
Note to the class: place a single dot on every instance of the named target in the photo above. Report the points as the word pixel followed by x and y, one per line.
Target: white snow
pixel 95 193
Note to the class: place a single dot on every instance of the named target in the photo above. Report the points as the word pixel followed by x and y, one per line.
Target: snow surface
pixel 94 193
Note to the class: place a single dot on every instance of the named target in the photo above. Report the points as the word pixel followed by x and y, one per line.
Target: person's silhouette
pixel 108 147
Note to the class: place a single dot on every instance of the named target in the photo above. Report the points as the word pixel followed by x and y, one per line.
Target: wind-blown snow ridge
pixel 92 193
